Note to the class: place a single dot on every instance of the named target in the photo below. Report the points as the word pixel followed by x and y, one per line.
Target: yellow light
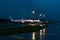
pixel 41 34
pixel 44 32
pixel 33 36
pixel 32 24
pixel 41 25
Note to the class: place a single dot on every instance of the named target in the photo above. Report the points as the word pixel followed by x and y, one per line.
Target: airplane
pixel 24 20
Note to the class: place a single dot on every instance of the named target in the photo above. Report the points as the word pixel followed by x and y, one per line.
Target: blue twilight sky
pixel 23 8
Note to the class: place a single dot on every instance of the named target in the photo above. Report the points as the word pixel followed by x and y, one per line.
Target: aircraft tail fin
pixel 10 18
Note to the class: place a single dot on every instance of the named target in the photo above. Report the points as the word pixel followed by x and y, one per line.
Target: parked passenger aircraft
pixel 24 20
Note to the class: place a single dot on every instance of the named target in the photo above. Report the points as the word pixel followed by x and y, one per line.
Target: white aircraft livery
pixel 23 20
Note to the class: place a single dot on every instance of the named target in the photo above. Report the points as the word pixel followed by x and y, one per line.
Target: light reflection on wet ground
pixel 49 33
pixel 41 34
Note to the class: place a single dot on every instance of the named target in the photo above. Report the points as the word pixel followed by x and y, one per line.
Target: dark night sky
pixel 23 8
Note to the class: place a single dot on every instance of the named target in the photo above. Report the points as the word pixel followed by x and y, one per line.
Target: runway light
pixel 41 25
pixel 32 24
